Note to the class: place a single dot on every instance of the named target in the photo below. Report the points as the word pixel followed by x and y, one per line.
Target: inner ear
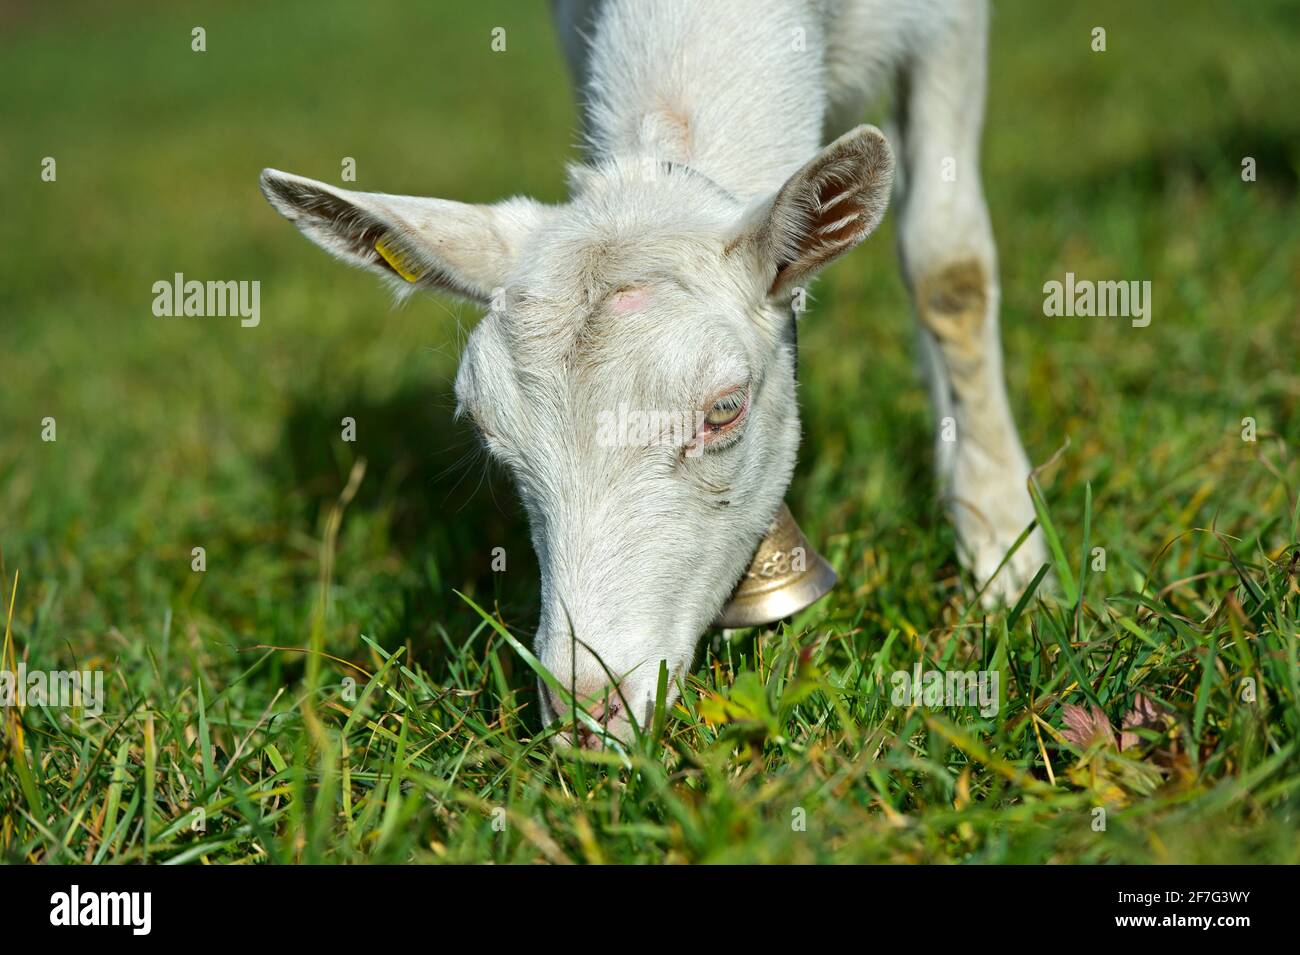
pixel 834 206
pixel 826 208
pixel 427 243
pixel 338 219
pixel 830 220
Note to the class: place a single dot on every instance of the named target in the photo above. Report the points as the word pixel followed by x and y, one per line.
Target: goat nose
pixel 604 708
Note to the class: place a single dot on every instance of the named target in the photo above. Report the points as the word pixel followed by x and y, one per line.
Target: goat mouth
pixel 602 712
pixel 785 576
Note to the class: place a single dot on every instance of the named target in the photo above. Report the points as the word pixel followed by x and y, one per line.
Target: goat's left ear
pixel 822 211
pixel 455 247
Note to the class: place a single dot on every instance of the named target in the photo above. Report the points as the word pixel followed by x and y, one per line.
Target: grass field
pixel 326 562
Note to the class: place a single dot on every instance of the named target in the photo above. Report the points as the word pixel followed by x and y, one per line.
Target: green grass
pixel 226 689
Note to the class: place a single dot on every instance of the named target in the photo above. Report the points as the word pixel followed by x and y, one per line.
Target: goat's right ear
pixel 456 247
pixel 826 208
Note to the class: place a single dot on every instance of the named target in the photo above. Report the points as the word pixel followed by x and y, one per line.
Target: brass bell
pixel 785 576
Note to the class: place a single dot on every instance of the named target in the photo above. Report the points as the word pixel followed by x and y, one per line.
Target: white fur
pixel 665 282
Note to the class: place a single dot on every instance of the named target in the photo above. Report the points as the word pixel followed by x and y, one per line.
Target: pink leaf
pixel 1083 727
pixel 1144 715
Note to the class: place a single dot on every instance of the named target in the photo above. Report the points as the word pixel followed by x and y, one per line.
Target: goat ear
pixel 822 211
pixel 456 247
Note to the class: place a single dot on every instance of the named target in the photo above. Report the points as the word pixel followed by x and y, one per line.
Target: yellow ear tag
pixel 400 262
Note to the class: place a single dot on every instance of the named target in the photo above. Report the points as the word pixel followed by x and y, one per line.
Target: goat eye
pixel 726 409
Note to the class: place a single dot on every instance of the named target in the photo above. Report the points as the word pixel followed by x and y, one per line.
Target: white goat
pixel 665 284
